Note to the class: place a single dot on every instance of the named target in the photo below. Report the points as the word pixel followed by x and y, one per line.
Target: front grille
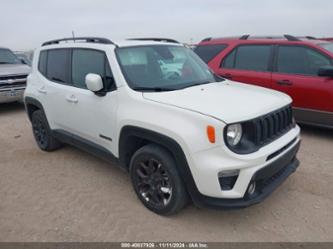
pixel 13 81
pixel 273 125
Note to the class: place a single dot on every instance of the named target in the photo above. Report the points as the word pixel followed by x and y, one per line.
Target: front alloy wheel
pixel 156 180
pixel 153 182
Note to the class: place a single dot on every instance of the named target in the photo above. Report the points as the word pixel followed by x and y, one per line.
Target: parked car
pixel 299 67
pixel 23 58
pixel 13 76
pixel 181 135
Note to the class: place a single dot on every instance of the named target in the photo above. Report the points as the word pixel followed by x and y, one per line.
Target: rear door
pixel 56 83
pixel 249 64
pixel 296 72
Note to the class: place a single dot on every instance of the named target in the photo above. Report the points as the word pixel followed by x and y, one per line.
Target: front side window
pixel 85 61
pixel 208 52
pixel 229 61
pixel 249 57
pixel 8 57
pixel 162 66
pixel 57 65
pixel 300 60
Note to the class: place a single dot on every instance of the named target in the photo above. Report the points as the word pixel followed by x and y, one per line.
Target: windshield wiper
pixel 197 84
pixel 153 89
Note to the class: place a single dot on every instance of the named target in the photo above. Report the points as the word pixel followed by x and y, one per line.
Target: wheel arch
pixel 132 138
pixel 31 105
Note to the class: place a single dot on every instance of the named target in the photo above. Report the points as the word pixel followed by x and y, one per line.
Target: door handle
pixel 42 90
pixel 284 82
pixel 227 76
pixel 72 99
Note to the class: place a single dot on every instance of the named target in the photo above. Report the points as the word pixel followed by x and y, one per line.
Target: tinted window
pixel 229 61
pixel 42 62
pixel 86 61
pixel 57 65
pixel 300 60
pixel 255 58
pixel 208 52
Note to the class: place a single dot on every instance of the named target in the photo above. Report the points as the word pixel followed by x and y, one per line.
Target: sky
pixel 25 24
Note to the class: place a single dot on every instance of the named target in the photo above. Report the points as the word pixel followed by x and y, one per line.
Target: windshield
pixel 327 46
pixel 8 57
pixel 162 67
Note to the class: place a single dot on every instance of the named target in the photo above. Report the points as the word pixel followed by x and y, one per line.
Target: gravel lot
pixel 69 195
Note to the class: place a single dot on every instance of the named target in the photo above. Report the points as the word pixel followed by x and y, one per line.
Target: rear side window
pixel 250 57
pixel 208 52
pixel 300 60
pixel 42 62
pixel 57 65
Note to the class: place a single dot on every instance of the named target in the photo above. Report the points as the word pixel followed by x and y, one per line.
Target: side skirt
pixel 86 145
pixel 314 117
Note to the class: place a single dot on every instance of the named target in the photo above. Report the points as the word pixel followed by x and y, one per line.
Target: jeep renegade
pixel 182 132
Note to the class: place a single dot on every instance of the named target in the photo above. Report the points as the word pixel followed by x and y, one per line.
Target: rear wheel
pixel 42 132
pixel 156 180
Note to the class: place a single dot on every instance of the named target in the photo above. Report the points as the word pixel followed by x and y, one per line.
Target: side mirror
pixel 23 61
pixel 326 71
pixel 94 82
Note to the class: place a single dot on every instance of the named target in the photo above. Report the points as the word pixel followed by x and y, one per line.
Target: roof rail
pixel 154 39
pixel 288 37
pixel 311 37
pixel 84 39
pixel 206 39
pixel 291 38
pixel 244 37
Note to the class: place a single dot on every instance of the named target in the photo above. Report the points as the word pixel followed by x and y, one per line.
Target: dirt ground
pixel 69 195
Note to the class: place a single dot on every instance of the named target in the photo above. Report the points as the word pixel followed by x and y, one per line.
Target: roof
pixel 263 39
pixel 97 42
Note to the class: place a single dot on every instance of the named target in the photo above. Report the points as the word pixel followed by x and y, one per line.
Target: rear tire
pixel 156 180
pixel 43 133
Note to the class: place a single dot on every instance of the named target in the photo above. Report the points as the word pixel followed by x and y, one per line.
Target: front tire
pixel 156 180
pixel 42 132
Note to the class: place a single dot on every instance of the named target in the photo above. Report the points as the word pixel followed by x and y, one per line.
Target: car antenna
pixel 73 35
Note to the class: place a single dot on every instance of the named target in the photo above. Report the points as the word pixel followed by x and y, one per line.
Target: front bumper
pixel 267 179
pixel 8 95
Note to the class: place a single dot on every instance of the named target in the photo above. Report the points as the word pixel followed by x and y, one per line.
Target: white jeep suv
pixel 182 135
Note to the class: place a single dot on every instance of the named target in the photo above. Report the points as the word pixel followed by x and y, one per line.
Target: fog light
pixel 252 188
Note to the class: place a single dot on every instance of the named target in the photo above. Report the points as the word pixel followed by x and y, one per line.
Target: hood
pixel 227 101
pixel 13 69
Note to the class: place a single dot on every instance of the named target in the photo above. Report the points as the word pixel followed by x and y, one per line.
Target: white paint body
pixel 182 115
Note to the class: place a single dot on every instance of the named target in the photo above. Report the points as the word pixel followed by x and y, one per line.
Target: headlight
pixel 234 134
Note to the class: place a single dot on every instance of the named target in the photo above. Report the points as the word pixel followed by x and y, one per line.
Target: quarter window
pixel 300 60
pixel 42 62
pixel 250 57
pixel 57 65
pixel 208 52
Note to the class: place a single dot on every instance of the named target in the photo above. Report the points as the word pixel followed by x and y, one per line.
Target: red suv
pixel 299 67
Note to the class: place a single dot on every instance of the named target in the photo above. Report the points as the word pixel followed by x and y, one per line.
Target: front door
pixel 248 64
pixel 296 74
